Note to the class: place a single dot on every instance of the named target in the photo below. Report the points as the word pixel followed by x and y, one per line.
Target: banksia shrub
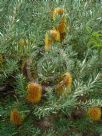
pixel 34 92
pixel 15 117
pixel 94 113
pixel 64 86
pixel 53 74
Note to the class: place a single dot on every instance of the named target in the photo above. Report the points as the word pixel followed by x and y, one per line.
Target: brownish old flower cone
pixel 34 92
pixel 64 86
pixel 15 117
pixel 94 113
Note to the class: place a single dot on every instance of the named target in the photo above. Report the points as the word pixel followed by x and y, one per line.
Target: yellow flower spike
pixel 60 11
pixel 62 27
pixel 94 113
pixel 67 78
pixel 55 35
pixel 64 86
pixel 15 117
pixel 50 37
pixel 48 42
pixel 34 91
pixel 56 12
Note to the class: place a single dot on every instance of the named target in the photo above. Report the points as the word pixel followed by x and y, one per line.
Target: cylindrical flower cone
pixel 55 35
pixel 64 86
pixel 67 78
pixel 94 113
pixel 34 92
pixel 48 42
pixel 57 11
pixel 50 37
pixel 62 26
pixel 15 117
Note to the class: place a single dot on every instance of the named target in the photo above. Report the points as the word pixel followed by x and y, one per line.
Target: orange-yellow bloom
pixel 48 42
pixel 59 11
pixel 50 37
pixel 94 113
pixel 67 78
pixel 34 91
pixel 56 12
pixel 55 35
pixel 15 117
pixel 62 26
pixel 64 86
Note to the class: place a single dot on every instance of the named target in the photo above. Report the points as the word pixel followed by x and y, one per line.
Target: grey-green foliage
pixel 54 63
